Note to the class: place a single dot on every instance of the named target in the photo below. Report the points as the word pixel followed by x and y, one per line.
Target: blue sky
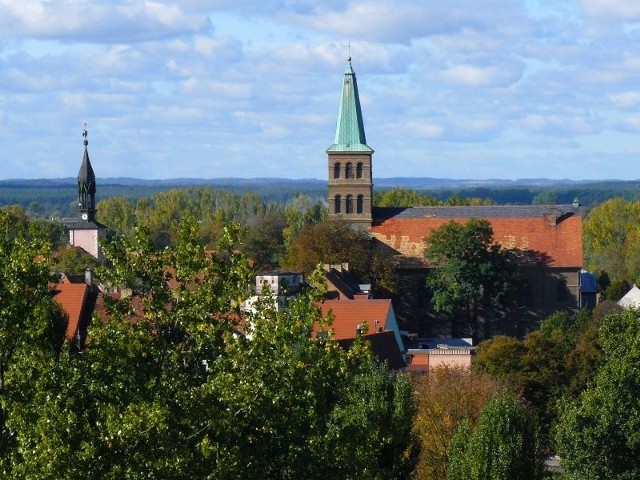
pixel 246 88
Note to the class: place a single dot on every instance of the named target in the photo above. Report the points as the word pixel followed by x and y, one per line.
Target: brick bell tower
pixel 350 184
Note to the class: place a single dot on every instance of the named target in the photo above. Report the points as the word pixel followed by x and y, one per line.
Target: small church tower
pixel 350 185
pixel 86 231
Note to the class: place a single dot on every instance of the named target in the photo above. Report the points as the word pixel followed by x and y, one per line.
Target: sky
pixel 245 88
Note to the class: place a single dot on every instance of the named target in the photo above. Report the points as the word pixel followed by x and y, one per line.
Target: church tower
pixel 86 186
pixel 350 185
pixel 86 231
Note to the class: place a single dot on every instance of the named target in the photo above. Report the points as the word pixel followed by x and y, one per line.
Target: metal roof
pixel 86 177
pixel 492 211
pixel 350 136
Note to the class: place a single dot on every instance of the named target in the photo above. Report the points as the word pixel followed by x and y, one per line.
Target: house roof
pixel 546 234
pixel 72 298
pixel 349 315
pixel 631 299
pixel 86 176
pixel 350 136
pixel 478 211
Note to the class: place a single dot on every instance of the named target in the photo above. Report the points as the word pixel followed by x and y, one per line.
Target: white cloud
pixel 109 22
pixel 625 10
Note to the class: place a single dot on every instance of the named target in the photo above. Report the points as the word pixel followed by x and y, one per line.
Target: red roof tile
pixel 71 297
pixel 349 314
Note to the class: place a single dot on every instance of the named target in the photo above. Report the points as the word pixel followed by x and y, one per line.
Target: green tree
pixel 264 242
pixel 470 274
pixel 329 242
pixel 403 197
pixel 29 318
pixel 556 361
pixel 611 238
pixel 176 383
pixel 597 436
pixel 502 446
pixel 118 214
pixel 73 260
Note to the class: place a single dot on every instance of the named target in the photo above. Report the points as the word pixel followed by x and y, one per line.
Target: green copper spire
pixel 350 135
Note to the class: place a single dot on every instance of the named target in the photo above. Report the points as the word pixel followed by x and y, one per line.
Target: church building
pixel 86 231
pixel 548 237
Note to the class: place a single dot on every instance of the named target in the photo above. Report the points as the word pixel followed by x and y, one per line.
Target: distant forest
pixel 57 198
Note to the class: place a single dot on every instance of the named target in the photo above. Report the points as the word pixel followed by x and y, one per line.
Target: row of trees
pixel 173 385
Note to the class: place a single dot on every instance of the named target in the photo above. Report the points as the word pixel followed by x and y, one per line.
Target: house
pixel 373 318
pixel 546 238
pixel 631 299
pixel 77 297
pixel 441 352
pixel 282 285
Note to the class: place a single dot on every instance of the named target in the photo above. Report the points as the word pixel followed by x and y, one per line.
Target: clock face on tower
pixel 85 216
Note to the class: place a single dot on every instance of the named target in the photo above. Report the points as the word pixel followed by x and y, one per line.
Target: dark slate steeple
pixel 86 186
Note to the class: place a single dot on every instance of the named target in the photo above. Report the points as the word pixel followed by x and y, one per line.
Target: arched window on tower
pixel 349 205
pixel 348 170
pixel 336 170
pixel 338 204
pixel 359 170
pixel 360 204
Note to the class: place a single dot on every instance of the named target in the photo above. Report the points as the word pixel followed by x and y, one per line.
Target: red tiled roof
pixel 71 297
pixel 560 243
pixel 349 314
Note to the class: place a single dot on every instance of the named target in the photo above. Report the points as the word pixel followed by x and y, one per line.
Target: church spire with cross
pixel 350 178
pixel 86 185
pixel 87 231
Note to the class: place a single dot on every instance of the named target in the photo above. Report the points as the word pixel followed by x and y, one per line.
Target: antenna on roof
pixel 85 134
pixel 349 57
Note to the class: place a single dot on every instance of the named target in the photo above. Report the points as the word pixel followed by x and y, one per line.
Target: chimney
pixel 88 277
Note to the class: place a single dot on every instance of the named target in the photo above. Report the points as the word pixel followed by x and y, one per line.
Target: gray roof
pixel 492 211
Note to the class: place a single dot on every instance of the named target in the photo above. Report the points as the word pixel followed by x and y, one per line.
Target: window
pixel 360 203
pixel 359 170
pixel 349 205
pixel 338 204
pixel 348 170
pixel 563 291
pixel 336 170
pixel 525 294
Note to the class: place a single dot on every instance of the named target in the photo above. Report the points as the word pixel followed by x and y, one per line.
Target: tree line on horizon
pixel 43 200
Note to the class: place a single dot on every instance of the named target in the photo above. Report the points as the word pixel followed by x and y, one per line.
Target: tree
pixel 118 214
pixel 403 197
pixel 176 383
pixel 470 273
pixel 557 361
pixel 264 242
pixel 329 242
pixel 73 260
pixel 446 398
pixel 597 435
pixel 502 446
pixel 612 239
pixel 29 318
